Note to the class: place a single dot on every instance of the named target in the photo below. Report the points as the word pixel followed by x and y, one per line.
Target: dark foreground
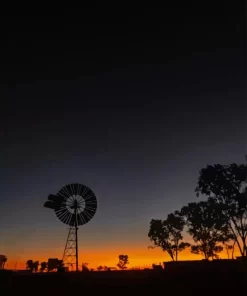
pixel 120 283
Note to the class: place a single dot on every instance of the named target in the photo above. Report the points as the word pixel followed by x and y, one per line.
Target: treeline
pixel 216 223
pixel 50 265
pixel 55 264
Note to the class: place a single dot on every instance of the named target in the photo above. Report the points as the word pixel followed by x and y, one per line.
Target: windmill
pixel 74 205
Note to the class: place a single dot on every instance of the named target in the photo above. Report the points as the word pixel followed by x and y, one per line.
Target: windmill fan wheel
pixel 74 204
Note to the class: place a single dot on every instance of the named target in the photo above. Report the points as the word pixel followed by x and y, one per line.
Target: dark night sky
pixel 131 109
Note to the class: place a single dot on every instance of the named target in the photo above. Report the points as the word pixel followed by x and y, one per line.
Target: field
pixel 120 283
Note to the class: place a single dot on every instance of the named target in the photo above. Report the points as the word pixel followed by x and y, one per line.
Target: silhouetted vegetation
pixel 219 221
pixel 225 186
pixel 216 223
pixel 230 248
pixel 43 266
pixel 3 260
pixel 203 229
pixel 123 261
pixel 101 268
pixel 32 265
pixel 84 266
pixel 167 234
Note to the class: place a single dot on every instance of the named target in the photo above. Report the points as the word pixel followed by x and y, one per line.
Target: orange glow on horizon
pixel 137 257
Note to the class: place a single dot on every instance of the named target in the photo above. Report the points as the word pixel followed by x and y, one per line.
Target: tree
pixel 123 261
pixel 231 248
pixel 43 266
pixel 85 266
pixel 225 237
pixel 167 234
pixel 206 251
pixel 204 228
pixel 99 268
pixel 4 261
pixel 30 265
pixel 36 266
pixel 225 186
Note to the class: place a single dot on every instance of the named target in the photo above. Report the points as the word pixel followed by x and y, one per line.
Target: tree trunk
pixel 227 250
pixel 236 239
pixel 171 255
pixel 233 246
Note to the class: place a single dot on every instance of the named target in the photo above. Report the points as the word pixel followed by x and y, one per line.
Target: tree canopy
pixel 225 186
pixel 167 234
pixel 123 261
pixel 43 266
pixel 219 221
pixel 204 228
pixel 32 265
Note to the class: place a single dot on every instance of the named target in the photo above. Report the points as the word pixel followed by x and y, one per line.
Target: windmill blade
pixel 82 218
pixel 84 215
pixel 61 214
pixel 71 197
pixel 80 221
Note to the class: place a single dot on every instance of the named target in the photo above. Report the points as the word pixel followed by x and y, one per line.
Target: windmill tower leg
pixel 70 255
pixel 76 239
pixel 76 247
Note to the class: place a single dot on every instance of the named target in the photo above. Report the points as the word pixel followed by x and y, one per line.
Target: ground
pixel 124 282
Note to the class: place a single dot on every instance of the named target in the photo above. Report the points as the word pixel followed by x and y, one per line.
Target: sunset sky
pixel 133 111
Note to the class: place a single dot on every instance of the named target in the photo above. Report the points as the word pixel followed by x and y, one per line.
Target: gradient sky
pixel 131 110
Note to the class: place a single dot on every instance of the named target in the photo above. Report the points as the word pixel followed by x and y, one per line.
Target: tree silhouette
pixel 225 185
pixel 227 238
pixel 4 261
pixel 99 268
pixel 206 250
pixel 43 266
pixel 36 266
pixel 85 266
pixel 231 248
pixel 123 261
pixel 167 234
pixel 204 228
pixel 29 265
